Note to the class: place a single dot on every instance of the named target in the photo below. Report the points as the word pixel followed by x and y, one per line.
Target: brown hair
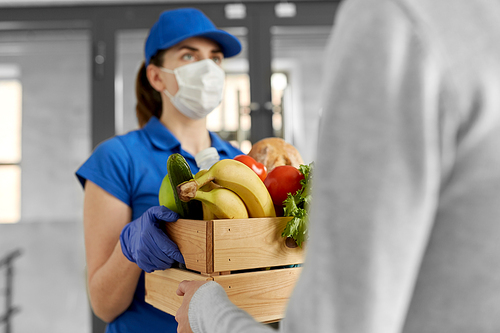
pixel 148 99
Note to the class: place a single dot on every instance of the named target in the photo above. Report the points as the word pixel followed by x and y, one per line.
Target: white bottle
pixel 206 158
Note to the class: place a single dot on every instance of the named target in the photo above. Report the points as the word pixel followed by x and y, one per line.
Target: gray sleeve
pixel 211 310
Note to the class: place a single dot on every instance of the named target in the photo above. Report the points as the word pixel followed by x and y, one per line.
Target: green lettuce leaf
pixel 297 206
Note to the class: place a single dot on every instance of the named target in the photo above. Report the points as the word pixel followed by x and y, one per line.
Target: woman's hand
pixel 186 289
pixel 144 243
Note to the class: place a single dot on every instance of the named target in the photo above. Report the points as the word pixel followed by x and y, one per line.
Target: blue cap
pixel 176 25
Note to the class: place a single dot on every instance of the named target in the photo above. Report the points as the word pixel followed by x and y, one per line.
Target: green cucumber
pixel 178 171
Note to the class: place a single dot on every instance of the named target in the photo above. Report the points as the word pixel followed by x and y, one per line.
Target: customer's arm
pixel 376 181
pixel 112 279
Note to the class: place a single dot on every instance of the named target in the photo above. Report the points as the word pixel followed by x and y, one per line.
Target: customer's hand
pixel 144 243
pixel 186 289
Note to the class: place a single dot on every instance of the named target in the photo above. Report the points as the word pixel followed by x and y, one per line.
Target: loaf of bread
pixel 273 152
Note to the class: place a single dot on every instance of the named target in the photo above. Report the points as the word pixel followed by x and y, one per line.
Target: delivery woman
pixel 178 85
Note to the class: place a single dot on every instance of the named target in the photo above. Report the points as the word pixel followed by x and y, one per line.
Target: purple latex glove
pixel 144 243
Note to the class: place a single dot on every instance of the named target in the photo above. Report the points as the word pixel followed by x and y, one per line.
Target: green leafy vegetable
pixel 297 206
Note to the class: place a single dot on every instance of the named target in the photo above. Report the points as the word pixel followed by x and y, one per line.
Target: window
pixel 10 146
pixel 231 120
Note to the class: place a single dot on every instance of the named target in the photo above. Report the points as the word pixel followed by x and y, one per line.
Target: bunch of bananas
pixel 228 190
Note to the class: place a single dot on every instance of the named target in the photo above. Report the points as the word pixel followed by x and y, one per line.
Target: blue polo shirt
pixel 131 167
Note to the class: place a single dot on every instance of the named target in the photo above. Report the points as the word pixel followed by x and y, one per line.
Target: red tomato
pixel 259 168
pixel 282 180
pixel 280 210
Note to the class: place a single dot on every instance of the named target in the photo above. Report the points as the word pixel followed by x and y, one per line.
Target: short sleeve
pixel 109 168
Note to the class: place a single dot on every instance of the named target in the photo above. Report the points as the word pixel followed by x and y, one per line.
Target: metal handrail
pixel 9 257
pixel 10 310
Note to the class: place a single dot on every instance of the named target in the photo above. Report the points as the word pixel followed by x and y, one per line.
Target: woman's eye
pixel 188 57
pixel 217 60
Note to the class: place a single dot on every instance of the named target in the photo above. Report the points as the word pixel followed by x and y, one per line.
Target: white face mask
pixel 201 85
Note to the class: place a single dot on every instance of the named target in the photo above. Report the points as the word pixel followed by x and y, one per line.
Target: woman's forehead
pixel 200 43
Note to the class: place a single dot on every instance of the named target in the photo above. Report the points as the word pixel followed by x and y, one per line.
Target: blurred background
pixel 67 72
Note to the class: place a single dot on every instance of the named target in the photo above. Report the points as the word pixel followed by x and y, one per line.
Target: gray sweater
pixel 405 226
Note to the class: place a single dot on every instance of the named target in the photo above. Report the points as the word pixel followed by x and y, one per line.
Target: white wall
pixel 49 277
pixel 49 284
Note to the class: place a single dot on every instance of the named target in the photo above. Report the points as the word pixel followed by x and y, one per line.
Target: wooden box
pixel 248 257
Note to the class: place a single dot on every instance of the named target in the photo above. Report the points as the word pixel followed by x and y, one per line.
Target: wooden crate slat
pixel 161 288
pixel 252 243
pixel 194 239
pixel 263 294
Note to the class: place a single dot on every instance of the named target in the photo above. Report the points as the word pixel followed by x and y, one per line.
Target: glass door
pixel 297 62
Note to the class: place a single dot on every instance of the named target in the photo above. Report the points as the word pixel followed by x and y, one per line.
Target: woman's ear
pixel 154 78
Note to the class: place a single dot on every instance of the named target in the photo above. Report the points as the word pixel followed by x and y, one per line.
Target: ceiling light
pixel 235 11
pixel 285 9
